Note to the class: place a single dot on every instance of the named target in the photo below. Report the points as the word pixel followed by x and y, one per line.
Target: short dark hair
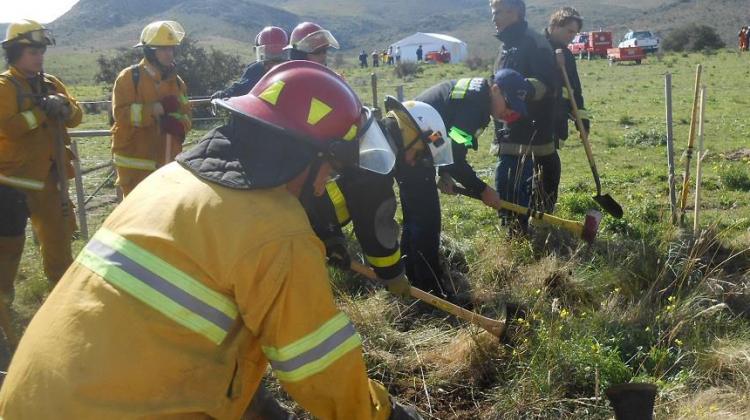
pixel 13 52
pixel 518 5
pixel 564 16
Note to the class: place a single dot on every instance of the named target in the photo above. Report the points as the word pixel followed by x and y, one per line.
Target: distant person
pixel 150 106
pixel 523 139
pixel 419 53
pixel 269 51
pixel 390 55
pixel 35 109
pixel 742 38
pixel 363 59
pixel 309 41
pixel 747 38
pixel 563 26
pixel 398 55
pixel 375 58
pixel 442 49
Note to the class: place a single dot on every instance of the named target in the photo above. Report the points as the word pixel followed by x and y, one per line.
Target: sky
pixel 43 11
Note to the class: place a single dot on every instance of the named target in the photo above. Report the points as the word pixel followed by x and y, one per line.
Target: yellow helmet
pixel 162 33
pixel 29 32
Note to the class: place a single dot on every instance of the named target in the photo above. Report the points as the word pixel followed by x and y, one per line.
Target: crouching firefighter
pixel 150 107
pixel 367 199
pixel 206 273
pixel 35 109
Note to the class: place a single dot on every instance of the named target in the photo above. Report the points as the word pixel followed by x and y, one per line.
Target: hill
pixel 229 25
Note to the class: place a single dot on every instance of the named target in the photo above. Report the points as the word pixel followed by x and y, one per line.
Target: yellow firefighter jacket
pixel 177 305
pixel 137 139
pixel 27 136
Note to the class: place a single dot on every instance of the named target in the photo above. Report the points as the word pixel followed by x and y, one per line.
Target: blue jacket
pixel 253 73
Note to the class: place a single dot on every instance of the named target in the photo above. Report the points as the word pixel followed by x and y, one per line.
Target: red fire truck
pixel 591 44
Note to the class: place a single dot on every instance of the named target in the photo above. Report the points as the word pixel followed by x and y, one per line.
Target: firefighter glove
pixel 170 104
pixel 173 126
pixel 398 286
pixel 157 110
pixel 337 254
pixel 56 106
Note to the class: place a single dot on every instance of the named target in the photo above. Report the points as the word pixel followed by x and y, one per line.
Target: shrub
pixel 692 37
pixel 204 71
pixel 626 120
pixel 404 69
pixel 652 137
pixel 735 177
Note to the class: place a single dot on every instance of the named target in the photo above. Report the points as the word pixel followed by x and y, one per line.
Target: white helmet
pixel 431 128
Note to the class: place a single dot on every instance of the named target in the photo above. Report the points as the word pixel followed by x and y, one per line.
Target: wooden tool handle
pixel 492 326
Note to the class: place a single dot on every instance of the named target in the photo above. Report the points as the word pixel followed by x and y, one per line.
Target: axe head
pixel 591 226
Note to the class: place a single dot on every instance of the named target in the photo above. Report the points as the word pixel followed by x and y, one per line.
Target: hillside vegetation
pixel 647 302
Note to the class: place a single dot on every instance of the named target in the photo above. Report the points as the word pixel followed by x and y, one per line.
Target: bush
pixel 652 137
pixel 734 177
pixel 204 71
pixel 409 68
pixel 692 37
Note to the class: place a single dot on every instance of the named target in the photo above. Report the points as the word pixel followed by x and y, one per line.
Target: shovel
pixel 606 201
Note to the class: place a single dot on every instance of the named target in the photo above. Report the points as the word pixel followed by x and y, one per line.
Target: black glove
pixel 56 106
pixel 337 253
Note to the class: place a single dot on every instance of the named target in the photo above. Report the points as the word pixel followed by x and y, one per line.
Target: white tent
pixel 431 42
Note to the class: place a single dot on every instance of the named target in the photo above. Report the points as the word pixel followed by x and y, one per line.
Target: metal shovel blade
pixel 609 205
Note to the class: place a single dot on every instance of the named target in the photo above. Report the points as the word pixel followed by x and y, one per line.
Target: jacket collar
pixel 552 42
pixel 513 33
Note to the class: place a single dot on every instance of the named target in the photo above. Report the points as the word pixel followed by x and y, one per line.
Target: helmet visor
pixel 375 154
pixel 316 41
pixel 39 37
pixel 271 52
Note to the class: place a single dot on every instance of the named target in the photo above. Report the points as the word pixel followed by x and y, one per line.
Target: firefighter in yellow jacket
pixel 34 109
pixel 208 272
pixel 150 107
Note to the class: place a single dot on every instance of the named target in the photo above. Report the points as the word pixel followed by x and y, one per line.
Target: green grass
pixel 648 302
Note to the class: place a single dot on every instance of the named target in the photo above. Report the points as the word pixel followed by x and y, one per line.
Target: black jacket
pixel 530 54
pixel 564 112
pixel 464 106
pixel 252 74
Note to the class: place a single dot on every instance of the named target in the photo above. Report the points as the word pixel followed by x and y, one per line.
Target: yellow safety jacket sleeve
pixel 15 123
pixel 313 349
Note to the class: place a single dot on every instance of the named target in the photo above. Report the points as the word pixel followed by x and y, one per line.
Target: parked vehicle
pixel 643 39
pixel 616 55
pixel 443 57
pixel 591 44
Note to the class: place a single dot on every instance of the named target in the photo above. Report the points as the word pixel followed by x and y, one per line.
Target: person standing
pixel 375 58
pixel 742 38
pixel 563 26
pixel 35 110
pixel 206 274
pixel 150 106
pixel 269 51
pixel 526 145
pixel 398 55
pixel 363 59
pixel 419 53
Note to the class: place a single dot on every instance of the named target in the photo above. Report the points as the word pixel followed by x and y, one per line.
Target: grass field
pixel 648 302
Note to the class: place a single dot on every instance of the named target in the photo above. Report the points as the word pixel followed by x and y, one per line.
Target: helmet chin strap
pixel 308 187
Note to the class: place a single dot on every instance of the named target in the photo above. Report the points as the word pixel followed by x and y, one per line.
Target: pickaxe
pixel 493 326
pixel 605 201
pixel 586 230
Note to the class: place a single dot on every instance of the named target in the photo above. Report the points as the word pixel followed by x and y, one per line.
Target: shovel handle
pixel 61 169
pixel 560 56
pixel 494 327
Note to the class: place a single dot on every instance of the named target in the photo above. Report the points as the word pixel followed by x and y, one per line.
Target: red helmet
pixel 311 102
pixel 270 43
pixel 309 38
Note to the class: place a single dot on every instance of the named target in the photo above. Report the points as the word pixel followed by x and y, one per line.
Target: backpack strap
pixel 19 95
pixel 135 74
